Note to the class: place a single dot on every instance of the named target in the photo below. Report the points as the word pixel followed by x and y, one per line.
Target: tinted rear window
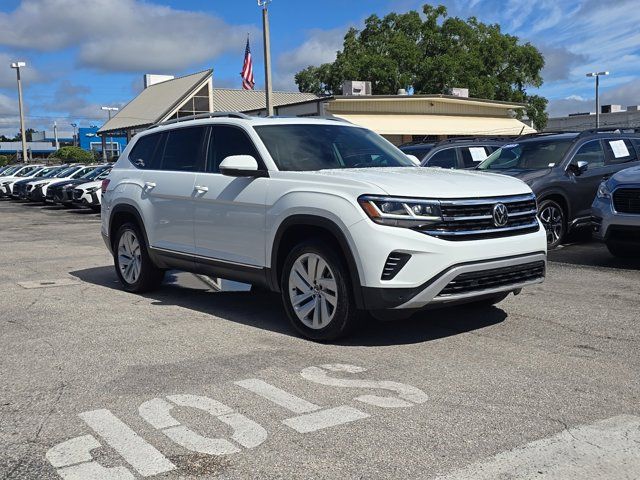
pixel 144 153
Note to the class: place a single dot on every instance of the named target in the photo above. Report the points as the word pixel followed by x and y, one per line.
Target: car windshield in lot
pixel 91 175
pixel 27 171
pixel 10 170
pixel 66 172
pixel 530 155
pixel 319 147
pixel 53 172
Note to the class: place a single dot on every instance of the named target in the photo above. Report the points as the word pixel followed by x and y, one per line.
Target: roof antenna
pixel 520 134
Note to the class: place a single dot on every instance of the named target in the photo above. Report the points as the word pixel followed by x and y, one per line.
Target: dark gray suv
pixel 463 152
pixel 564 170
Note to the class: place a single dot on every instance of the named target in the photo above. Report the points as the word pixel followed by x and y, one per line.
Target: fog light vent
pixel 395 262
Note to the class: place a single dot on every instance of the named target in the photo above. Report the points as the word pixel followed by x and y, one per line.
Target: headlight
pixel 401 212
pixel 603 190
pixel 92 189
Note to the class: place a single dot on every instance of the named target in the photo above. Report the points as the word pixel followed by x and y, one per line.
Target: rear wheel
pixel 134 267
pixel 316 292
pixel 553 218
pixel 622 250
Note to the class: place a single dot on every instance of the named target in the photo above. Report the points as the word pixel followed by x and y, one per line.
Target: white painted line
pixel 407 395
pixel 156 412
pixel 608 449
pixel 95 471
pixel 207 404
pixel 195 442
pixel 60 282
pixel 330 417
pixel 133 448
pixel 74 450
pixel 279 397
pixel 245 431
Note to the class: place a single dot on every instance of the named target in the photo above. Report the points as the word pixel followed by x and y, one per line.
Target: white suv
pixel 330 214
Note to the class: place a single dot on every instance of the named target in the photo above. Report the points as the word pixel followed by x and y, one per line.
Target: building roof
pixel 156 101
pixel 434 97
pixel 236 100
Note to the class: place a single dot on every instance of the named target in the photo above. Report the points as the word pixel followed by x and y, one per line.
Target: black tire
pixel 344 316
pixel 150 277
pixel 554 218
pixel 622 250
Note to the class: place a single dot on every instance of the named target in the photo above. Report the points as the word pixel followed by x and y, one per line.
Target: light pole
pixel 74 125
pixel 267 54
pixel 17 66
pixel 597 75
pixel 104 143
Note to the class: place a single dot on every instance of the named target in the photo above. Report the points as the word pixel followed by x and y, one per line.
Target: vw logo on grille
pixel 500 215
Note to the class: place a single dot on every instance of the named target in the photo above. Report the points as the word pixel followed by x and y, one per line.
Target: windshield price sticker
pixel 619 148
pixel 478 154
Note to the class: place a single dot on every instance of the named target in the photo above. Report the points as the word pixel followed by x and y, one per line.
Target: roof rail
pixel 611 129
pixel 197 116
pixel 478 139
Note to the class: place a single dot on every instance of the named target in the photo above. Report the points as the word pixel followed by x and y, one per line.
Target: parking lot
pixel 191 383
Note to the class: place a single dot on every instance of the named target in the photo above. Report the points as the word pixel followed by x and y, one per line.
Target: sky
pixel 83 55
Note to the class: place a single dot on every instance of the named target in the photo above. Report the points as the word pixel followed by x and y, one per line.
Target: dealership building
pixel 399 118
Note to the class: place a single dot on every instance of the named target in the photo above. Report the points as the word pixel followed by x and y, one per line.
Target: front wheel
pixel 316 292
pixel 134 267
pixel 553 218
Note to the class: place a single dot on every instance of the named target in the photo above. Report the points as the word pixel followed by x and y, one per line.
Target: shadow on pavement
pixel 265 311
pixel 592 254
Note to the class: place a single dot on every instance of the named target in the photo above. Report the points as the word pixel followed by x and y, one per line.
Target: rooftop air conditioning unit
pixel 458 92
pixel 356 87
pixel 611 108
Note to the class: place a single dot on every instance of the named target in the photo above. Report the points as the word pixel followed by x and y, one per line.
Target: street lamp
pixel 74 125
pixel 17 66
pixel 267 54
pixel 597 75
pixel 104 145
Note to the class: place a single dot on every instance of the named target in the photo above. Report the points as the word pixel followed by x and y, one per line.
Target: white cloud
pixel 120 35
pixel 576 97
pixel 320 47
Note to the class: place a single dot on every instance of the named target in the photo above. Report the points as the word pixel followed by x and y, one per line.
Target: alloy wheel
pixel 553 221
pixel 129 257
pixel 313 291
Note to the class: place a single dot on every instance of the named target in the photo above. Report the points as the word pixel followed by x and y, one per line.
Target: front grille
pixel 77 194
pixel 494 278
pixel 467 219
pixel 627 200
pixel 395 262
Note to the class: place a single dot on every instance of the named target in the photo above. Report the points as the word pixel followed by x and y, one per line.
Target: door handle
pixel 149 185
pixel 201 188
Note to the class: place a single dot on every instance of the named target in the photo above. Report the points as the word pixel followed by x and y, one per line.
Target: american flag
pixel 248 82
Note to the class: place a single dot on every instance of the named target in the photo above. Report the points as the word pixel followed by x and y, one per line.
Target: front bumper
pixel 605 221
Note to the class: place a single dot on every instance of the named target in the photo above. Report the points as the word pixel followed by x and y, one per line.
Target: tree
pixel 73 154
pixel 4 160
pixel 432 54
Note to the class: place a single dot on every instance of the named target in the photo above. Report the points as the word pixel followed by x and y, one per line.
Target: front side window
pixel 590 152
pixel 183 150
pixel 146 151
pixel 446 158
pixel 227 141
pixel 530 155
pixel 317 147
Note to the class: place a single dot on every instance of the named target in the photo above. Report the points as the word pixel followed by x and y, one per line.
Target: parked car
pixel 49 196
pixel 62 192
pixel 38 192
pixel 6 182
pixel 418 149
pixel 564 170
pixel 616 213
pixel 20 187
pixel 464 152
pixel 10 170
pixel 328 213
pixel 90 194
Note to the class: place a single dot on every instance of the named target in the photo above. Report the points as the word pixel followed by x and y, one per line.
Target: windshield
pixel 91 175
pixel 532 155
pixel 26 171
pixel 82 172
pixel 10 170
pixel 104 174
pixel 52 173
pixel 318 147
pixel 66 172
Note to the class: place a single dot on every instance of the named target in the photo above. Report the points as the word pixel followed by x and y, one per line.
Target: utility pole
pixel 55 135
pixel 267 55
pixel 597 75
pixel 104 142
pixel 17 66
pixel 75 136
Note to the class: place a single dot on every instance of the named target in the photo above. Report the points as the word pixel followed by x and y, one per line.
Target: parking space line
pixel 278 396
pixel 142 456
pixel 330 417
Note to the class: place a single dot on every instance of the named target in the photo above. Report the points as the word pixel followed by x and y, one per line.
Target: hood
pixel 432 182
pixel 628 175
pixel 527 176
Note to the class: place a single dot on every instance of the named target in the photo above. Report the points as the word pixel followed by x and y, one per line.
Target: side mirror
pixel 579 168
pixel 241 166
pixel 413 158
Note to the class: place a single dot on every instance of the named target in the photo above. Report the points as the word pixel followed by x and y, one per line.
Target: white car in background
pixel 38 190
pixel 90 194
pixel 26 171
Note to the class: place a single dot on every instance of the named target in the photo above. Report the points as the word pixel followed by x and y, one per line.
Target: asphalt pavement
pixel 187 382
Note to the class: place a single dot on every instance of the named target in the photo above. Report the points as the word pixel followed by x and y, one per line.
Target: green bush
pixel 73 154
pixel 4 160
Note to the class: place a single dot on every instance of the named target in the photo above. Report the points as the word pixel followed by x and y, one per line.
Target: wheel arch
pixel 560 198
pixel 296 228
pixel 121 214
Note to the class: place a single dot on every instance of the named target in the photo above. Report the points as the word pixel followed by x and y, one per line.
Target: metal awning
pixel 412 124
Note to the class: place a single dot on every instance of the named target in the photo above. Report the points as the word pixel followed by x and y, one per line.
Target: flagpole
pixel 267 55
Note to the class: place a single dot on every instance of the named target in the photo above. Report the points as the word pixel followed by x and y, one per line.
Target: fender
pixel 556 191
pixel 336 231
